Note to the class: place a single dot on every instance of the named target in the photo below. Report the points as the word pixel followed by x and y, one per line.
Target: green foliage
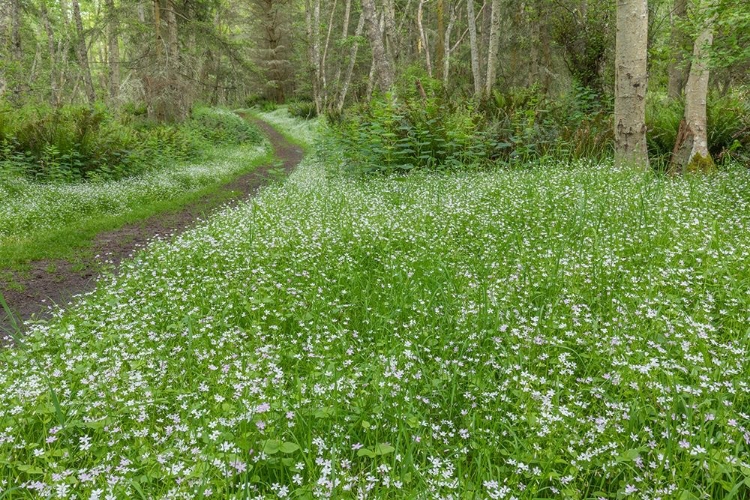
pixel 574 332
pixel 728 126
pixel 223 127
pixel 577 125
pixel 389 135
pixel 302 109
pixel 76 143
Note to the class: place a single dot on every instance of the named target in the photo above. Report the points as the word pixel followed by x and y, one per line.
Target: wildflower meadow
pixel 575 331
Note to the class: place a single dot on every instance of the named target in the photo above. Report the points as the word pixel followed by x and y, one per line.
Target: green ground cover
pixel 52 219
pixel 575 331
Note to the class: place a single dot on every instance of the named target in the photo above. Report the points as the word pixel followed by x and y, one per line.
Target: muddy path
pixel 30 294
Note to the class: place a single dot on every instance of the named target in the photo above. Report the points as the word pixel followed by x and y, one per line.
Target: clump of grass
pixel 575 331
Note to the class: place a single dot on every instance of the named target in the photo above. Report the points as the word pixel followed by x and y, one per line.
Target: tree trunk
pixel 15 34
pixel 475 68
pixel 390 37
pixel 494 46
pixel 350 68
pixel 344 36
pixel 54 94
pixel 440 40
pixel 157 29
pixel 630 83
pixel 535 29
pixel 114 50
pixel 382 66
pixel 83 56
pixel 691 148
pixel 677 73
pixel 423 45
pixel 324 59
pixel 448 49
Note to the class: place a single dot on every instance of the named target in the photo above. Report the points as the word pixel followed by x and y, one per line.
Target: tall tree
pixel 423 43
pixel 677 42
pixel 691 147
pixel 383 68
pixel 631 54
pixel 440 40
pixel 54 95
pixel 350 67
pixel 83 55
pixel 494 47
pixel 476 70
pixel 113 46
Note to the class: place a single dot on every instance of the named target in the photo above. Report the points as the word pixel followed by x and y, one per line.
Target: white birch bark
pixel 383 68
pixel 631 52
pixel 350 68
pixel 494 46
pixel 423 39
pixel 691 148
pixel 475 68
pixel 447 45
pixel 83 57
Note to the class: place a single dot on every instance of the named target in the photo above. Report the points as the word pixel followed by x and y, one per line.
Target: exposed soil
pixel 30 294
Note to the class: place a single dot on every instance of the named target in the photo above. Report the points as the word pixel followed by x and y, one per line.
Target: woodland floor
pixel 31 293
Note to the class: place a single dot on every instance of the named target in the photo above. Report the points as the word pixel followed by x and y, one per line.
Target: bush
pixel 302 109
pixel 434 133
pixel 386 136
pixel 223 127
pixel 77 143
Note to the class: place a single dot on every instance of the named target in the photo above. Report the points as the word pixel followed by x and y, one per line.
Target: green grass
pixel 570 332
pixel 59 221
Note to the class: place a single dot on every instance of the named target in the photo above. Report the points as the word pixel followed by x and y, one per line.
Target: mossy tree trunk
pixel 691 147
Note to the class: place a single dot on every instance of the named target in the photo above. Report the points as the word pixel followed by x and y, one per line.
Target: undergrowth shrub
pixel 76 143
pixel 728 123
pixel 423 130
pixel 302 109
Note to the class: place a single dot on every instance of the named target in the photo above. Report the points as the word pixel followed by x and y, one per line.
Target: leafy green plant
pixel 72 143
pixel 302 109
pixel 728 126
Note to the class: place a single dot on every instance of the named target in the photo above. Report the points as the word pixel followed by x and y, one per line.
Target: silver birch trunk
pixel 383 68
pixel 114 50
pixel 316 55
pixel 423 45
pixel 631 52
pixel 676 66
pixel 350 68
pixel 344 36
pixel 494 46
pixel 324 59
pixel 447 44
pixel 83 56
pixel 54 94
pixel 691 147
pixel 475 68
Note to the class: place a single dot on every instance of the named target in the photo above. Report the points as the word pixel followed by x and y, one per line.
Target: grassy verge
pixel 569 332
pixel 59 221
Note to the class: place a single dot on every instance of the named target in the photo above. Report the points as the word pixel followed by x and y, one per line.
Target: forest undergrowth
pixel 47 208
pixel 577 331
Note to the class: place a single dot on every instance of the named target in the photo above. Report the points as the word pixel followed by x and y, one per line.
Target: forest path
pixel 30 294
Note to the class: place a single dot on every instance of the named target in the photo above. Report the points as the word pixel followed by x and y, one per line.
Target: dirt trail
pixel 50 282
